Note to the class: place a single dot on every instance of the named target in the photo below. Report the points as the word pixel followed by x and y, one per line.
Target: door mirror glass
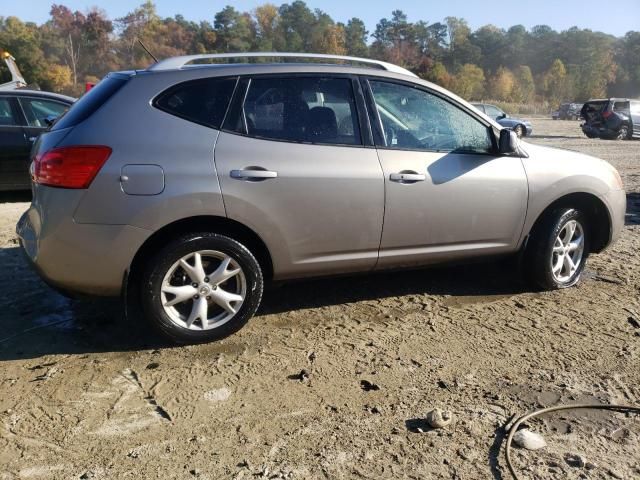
pixel 50 120
pixel 508 142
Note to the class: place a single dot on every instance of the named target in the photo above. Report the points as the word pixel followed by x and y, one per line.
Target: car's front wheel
pixel 201 287
pixel 520 131
pixel 558 249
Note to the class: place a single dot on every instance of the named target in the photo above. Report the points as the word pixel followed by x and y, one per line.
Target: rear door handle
pixel 249 174
pixel 407 177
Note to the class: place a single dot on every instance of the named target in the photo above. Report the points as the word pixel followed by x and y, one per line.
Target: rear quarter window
pixel 622 107
pixel 91 101
pixel 203 101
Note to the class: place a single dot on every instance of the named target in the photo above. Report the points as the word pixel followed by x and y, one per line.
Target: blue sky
pixel 607 16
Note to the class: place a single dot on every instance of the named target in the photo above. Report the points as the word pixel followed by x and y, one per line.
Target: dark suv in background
pixel 613 118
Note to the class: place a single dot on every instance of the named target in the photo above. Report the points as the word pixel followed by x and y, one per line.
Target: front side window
pixel 413 119
pixel 38 111
pixel 6 113
pixel 203 101
pixel 316 110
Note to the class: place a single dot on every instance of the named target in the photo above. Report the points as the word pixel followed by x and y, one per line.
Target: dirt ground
pixel 85 394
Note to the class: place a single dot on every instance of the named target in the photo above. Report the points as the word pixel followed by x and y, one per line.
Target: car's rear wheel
pixel 623 133
pixel 558 250
pixel 201 287
pixel 519 129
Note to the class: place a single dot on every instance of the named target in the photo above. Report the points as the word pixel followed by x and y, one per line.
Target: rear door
pixel 297 166
pixel 14 149
pixel 448 194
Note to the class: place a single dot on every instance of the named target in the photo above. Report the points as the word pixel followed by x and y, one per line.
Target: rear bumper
pixel 78 259
pixel 600 132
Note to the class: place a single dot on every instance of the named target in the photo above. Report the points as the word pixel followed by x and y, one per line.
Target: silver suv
pixel 185 187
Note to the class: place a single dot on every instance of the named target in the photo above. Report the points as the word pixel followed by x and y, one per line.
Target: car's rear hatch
pixel 593 111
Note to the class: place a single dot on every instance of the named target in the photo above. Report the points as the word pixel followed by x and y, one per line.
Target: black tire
pixel 539 255
pixel 159 264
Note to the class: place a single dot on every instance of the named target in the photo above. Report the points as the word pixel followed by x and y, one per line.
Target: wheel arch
pixel 594 208
pixel 215 224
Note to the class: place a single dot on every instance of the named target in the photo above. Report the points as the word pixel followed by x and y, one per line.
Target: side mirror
pixel 501 116
pixel 50 120
pixel 508 142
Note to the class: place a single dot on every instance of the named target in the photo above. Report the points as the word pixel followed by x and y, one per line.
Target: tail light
pixel 70 167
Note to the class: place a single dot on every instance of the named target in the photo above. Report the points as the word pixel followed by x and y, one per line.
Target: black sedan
pixel 24 114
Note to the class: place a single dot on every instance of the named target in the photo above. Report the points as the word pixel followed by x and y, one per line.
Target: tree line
pixel 518 65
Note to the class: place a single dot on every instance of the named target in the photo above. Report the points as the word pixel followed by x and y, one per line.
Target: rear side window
pixel 203 101
pixel 622 107
pixel 90 101
pixel 316 110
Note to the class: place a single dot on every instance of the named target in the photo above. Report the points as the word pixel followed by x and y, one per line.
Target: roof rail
pixel 179 62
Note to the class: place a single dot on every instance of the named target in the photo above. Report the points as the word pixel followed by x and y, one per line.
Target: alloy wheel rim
pixel 567 253
pixel 203 290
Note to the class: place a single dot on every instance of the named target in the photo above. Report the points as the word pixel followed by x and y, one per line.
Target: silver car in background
pixel 184 188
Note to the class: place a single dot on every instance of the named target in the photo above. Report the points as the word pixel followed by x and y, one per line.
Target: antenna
pixel 147 50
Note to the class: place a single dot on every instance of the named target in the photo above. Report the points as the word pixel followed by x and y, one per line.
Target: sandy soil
pixel 85 394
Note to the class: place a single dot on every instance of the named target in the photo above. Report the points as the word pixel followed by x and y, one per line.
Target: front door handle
pixel 250 174
pixel 407 177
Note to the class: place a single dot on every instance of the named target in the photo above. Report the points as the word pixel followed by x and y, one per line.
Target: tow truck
pixel 17 80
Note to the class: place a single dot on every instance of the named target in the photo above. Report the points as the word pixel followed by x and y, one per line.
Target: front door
pixel 297 172
pixel 14 149
pixel 448 194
